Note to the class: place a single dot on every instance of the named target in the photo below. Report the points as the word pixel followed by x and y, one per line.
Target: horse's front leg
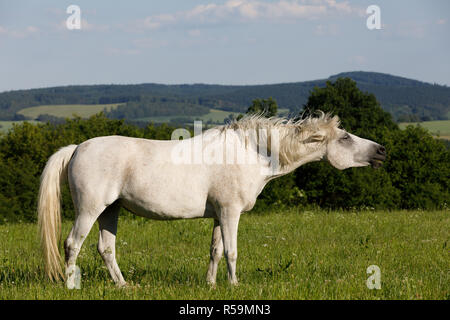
pixel 229 220
pixel 215 253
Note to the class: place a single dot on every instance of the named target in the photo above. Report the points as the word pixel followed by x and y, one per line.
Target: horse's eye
pixel 346 137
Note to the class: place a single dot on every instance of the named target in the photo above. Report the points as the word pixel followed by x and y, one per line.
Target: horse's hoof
pixel 234 283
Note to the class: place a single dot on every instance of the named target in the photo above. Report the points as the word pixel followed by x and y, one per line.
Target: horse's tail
pixel 49 209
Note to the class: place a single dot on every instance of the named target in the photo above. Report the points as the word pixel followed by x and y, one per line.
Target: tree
pixel 266 107
pixel 25 149
pixel 360 112
pixel 418 168
pixel 415 173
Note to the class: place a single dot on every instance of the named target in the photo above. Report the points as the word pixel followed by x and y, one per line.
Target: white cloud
pixel 149 43
pixel 31 29
pixel 194 33
pixel 322 30
pixel 344 7
pixel 412 29
pixel 358 60
pixel 62 12
pixel 19 33
pixel 85 25
pixel 55 11
pixel 250 10
pixel 122 52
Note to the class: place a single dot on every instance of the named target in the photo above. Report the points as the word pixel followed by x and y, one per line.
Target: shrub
pixel 25 149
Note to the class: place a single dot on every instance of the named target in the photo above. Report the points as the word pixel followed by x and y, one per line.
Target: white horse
pixel 147 178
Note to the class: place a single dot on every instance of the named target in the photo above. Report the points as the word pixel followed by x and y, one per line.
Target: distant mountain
pixel 405 99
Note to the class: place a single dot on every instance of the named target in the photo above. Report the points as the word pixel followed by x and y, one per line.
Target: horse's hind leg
pixel 72 245
pixel 107 223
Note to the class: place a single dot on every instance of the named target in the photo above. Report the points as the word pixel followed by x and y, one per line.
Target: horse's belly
pixel 164 207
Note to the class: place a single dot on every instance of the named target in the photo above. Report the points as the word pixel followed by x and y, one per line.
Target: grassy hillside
pixel 67 111
pixel 437 128
pixel 282 255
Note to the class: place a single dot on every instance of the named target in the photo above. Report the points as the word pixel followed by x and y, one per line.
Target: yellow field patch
pixel 67 111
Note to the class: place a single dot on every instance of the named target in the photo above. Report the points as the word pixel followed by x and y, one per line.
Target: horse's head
pixel 345 150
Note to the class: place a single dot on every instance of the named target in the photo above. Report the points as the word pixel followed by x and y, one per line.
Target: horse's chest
pixel 240 191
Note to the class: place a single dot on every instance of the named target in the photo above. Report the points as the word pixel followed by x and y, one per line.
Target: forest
pixel 405 99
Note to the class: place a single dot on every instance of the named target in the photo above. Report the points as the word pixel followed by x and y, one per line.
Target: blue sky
pixel 220 42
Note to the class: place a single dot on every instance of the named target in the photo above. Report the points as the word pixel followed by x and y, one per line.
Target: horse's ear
pixel 335 122
pixel 317 137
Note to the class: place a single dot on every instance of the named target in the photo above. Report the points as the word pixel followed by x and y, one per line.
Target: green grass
pixel 282 255
pixel 67 111
pixel 441 127
pixel 217 116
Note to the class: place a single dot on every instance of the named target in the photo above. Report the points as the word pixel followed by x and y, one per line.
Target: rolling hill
pixel 406 99
pixel 66 110
pixel 440 128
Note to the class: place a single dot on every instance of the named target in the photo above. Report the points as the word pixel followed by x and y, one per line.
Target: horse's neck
pixel 303 159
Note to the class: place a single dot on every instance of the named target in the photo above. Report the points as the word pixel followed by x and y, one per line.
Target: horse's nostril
pixel 382 150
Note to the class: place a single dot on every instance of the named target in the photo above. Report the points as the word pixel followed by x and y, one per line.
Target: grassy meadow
pixel 285 254
pixel 67 110
pixel 85 111
pixel 439 128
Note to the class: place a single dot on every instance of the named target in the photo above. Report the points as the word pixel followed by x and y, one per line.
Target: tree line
pixel 405 99
pixel 416 173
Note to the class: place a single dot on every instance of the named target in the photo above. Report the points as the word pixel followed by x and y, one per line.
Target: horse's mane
pixel 294 134
pixel 309 124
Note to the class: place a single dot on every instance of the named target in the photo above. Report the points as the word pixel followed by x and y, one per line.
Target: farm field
pixel 286 254
pixel 67 111
pixel 85 111
pixel 441 127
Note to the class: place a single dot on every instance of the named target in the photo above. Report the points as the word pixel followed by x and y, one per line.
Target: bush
pixel 25 149
pixel 418 167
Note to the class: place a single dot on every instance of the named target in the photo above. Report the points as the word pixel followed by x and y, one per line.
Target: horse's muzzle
pixel 378 157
